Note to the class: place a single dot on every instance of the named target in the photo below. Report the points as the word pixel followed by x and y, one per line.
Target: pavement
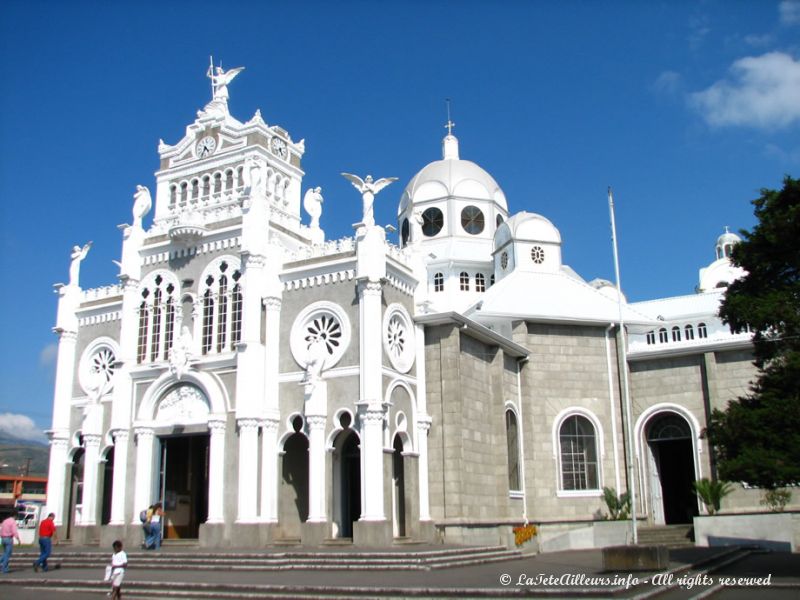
pixel 730 573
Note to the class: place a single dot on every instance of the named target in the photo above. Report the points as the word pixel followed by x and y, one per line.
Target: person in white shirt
pixel 119 562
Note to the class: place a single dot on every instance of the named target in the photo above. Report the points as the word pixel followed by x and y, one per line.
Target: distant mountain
pixel 21 455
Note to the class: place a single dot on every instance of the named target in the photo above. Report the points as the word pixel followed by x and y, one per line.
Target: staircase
pixel 674 536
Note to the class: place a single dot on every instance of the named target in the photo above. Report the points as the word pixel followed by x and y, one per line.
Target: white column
pixel 120 475
pixel 372 454
pixel 248 468
pixel 143 492
pixel 316 469
pixel 91 461
pixel 269 471
pixel 56 475
pixel 216 472
pixel 272 304
pixel 65 370
pixel 423 426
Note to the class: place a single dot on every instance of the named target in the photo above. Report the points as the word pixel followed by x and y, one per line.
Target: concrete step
pixel 669 535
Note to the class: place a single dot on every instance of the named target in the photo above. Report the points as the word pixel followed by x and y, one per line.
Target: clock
pixel 205 147
pixel 279 147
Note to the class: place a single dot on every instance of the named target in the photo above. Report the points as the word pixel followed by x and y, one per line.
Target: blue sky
pixel 686 108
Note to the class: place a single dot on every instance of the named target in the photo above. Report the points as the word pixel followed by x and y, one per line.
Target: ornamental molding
pixel 316 421
pixel 270 425
pixel 372 417
pixel 192 251
pixel 144 432
pixel 371 288
pixel 217 427
pixel 398 334
pixel 248 424
pixel 321 321
pixel 91 439
pixel 319 280
pixel 183 404
pixel 272 303
pixel 108 317
pixel 400 285
pixel 101 293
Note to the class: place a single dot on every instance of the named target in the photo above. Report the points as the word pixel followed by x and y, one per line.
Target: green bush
pixel 777 499
pixel 619 507
pixel 712 492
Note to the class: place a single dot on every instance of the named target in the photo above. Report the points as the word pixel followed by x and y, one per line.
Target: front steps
pixel 277 560
pixel 673 536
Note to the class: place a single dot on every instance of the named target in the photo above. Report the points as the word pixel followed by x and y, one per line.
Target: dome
pixel 452 176
pixel 527 227
pixel 728 238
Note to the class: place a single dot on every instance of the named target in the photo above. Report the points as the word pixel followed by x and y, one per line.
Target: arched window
pixel 676 334
pixel 689 331
pixel 662 336
pixel 438 282
pixel 156 319
pixel 173 196
pixel 512 441
pixel 240 177
pixel 701 330
pixel 229 179
pixel 217 183
pixel 491 280
pixel 404 232
pixel 480 282
pixel 195 188
pixel 579 468
pixel 651 338
pixel 222 308
pixel 206 186
pixel 184 192
pixel 464 281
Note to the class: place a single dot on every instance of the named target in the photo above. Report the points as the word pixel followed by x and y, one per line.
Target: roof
pixel 557 297
pixel 678 307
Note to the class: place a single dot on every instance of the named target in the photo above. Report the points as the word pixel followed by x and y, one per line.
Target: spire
pixel 450 142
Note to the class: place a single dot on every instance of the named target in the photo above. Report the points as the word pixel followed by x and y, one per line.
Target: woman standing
pixel 156 520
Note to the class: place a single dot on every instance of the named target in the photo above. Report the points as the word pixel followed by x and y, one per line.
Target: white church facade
pixel 271 386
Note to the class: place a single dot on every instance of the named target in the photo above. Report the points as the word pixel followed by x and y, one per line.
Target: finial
pixel 450 123
pixel 726 229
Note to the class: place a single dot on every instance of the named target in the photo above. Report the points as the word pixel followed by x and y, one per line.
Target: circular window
pixel 504 260
pixel 472 220
pixel 432 221
pixel 398 337
pixel 404 232
pixel 96 374
pixel 322 322
pixel 537 254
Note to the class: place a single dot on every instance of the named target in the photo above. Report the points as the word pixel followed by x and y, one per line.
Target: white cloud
pixel 47 357
pixel 789 11
pixel 21 426
pixel 668 82
pixel 758 41
pixel 762 91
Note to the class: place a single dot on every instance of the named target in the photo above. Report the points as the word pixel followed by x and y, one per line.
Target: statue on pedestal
pixel 220 80
pixel 368 189
pixel 78 254
pixel 142 203
pixel 312 203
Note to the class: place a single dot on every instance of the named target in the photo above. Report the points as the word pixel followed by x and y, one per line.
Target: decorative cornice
pixel 318 280
pixel 372 416
pixel 272 303
pixel 270 425
pixel 248 423
pixel 217 426
pixel 199 249
pixel 91 439
pixel 371 288
pixel 98 319
pixel 66 335
pixel 144 432
pixel 316 421
pixel 120 436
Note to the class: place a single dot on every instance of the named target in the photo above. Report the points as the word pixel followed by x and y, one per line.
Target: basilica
pixel 272 386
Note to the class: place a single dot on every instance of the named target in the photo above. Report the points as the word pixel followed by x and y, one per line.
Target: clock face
pixel 205 147
pixel 279 147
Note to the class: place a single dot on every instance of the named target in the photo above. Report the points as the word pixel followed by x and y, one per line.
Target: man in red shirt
pixel 47 534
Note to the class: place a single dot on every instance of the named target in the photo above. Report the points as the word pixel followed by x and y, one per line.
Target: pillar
pixel 90 463
pixel 269 471
pixel 248 471
pixel 216 472
pixel 316 469
pixel 423 427
pixel 56 476
pixel 119 477
pixel 373 475
pixel 143 492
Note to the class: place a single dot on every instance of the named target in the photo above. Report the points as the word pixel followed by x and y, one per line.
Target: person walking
pixel 119 562
pixel 47 535
pixel 8 531
pixel 156 521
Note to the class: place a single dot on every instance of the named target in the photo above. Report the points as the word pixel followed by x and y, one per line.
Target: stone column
pixel 248 470
pixel 269 471
pixel 372 456
pixel 90 463
pixel 120 475
pixel 371 349
pixel 272 304
pixel 423 427
pixel 316 469
pixel 56 476
pixel 216 472
pixel 143 492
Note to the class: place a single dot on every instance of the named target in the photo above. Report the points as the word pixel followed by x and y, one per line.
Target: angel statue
pixel 312 202
pixel 220 80
pixel 78 254
pixel 368 188
pixel 317 355
pixel 142 203
pixel 416 225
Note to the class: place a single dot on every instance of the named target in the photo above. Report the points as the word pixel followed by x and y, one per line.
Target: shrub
pixel 712 492
pixel 619 507
pixel 777 499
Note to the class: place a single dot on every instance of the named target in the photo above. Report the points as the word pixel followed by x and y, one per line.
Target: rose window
pixel 398 337
pixel 96 371
pixel 325 328
pixel 101 365
pixel 537 255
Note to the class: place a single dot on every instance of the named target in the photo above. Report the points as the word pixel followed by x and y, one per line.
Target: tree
pixel 757 438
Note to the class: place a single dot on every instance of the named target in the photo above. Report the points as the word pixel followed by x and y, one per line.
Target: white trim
pixel 599 450
pixel 297 337
pixel 212 388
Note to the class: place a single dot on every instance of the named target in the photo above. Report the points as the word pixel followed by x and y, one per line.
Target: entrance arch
pixel 671 468
pixel 346 481
pixel 398 489
pixel 293 501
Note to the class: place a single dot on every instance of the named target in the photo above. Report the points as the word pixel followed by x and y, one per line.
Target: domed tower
pixel 449 212
pixel 527 242
pixel 720 273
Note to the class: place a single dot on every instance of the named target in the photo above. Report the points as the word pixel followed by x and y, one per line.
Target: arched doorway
pixel 398 489
pixel 75 490
pixel 183 484
pixel 347 481
pixel 671 466
pixel 294 482
pixel 108 483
